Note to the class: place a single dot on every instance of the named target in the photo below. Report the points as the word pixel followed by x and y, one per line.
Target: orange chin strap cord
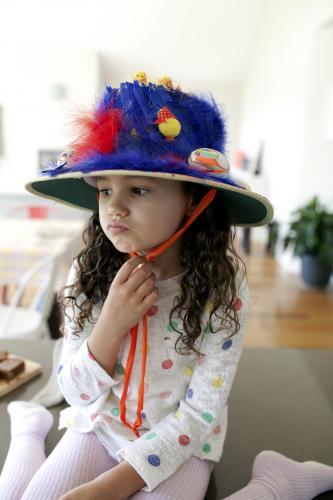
pixel 206 200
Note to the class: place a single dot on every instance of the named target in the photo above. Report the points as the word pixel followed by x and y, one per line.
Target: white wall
pixel 317 161
pixel 254 56
pixel 275 104
pixel 201 46
pixel 34 114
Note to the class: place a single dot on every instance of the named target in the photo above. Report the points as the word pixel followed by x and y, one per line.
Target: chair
pixel 31 322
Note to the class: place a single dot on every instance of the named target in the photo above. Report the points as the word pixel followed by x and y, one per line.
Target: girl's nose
pixel 117 211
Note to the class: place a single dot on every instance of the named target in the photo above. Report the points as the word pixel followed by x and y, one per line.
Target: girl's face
pixel 138 213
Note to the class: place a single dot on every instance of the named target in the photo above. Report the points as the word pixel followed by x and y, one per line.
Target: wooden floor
pixel 284 312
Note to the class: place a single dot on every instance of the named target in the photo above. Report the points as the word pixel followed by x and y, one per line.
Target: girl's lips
pixel 116 229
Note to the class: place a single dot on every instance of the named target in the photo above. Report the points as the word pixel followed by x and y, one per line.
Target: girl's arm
pixel 81 379
pixel 118 483
pixel 89 357
pixel 131 294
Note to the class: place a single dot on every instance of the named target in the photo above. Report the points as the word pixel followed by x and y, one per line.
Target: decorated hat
pixel 154 130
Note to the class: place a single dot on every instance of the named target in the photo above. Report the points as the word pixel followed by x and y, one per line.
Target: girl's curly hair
pixel 208 257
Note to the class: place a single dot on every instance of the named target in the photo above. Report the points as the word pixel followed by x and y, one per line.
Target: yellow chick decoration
pixel 168 124
pixel 166 82
pixel 141 77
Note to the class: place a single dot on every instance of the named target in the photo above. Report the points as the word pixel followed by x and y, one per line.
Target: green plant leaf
pixel 311 232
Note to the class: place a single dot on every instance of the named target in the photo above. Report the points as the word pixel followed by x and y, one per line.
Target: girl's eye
pixel 140 191
pixel 105 192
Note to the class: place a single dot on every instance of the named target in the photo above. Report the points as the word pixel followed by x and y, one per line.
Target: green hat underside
pixel 245 207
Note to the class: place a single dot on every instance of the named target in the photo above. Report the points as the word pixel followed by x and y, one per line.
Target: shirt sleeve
pixel 81 378
pixel 159 453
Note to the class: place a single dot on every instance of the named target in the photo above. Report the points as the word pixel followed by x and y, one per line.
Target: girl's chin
pixel 127 247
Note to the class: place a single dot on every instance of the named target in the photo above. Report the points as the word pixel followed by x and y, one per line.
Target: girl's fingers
pixel 150 299
pixel 127 269
pixel 146 287
pixel 139 276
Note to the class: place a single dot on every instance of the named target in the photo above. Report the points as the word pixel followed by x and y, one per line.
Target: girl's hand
pixel 88 491
pixel 131 294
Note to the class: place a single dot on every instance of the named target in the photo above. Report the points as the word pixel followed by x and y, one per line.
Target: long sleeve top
pixel 185 396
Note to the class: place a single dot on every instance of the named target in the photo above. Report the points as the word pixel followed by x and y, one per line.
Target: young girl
pixel 155 303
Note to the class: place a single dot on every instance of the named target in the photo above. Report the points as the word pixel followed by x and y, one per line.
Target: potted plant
pixel 311 236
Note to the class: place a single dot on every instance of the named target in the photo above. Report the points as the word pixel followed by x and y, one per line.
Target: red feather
pixel 96 132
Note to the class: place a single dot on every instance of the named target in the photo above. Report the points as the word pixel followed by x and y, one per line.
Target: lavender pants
pixel 79 458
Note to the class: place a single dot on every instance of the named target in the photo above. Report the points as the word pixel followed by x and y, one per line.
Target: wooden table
pixel 282 399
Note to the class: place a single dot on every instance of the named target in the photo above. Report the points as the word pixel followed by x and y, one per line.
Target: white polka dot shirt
pixel 185 397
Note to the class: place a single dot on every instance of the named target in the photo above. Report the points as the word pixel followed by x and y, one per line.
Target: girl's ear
pixel 190 204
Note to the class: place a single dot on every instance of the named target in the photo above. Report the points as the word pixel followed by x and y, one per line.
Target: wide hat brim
pixel 245 207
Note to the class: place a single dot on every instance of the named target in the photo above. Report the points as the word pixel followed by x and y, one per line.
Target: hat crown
pixel 126 120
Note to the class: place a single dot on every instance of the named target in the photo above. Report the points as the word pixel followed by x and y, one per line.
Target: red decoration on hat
pixel 96 133
pixel 163 114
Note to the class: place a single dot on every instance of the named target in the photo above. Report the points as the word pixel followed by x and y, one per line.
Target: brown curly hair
pixel 208 256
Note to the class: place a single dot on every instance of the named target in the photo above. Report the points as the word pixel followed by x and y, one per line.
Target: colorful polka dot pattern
pixel 217 382
pixel 154 460
pixel 102 385
pixel 227 344
pixel 165 394
pixel 119 369
pixel 151 435
pixel 167 364
pixel 187 371
pixel 184 440
pixel 152 311
pixel 69 422
pixel 206 448
pixel 207 330
pixel 208 307
pixel 208 417
pixel 172 324
pixel 163 114
pixel 237 305
pixel 201 360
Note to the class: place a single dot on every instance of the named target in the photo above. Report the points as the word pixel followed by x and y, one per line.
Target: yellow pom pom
pixel 170 128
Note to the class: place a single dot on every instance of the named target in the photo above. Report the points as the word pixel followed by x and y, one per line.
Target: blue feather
pixel 140 145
